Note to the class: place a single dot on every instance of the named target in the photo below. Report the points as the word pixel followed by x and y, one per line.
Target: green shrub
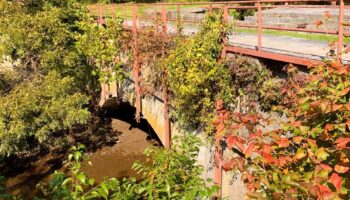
pixel 33 112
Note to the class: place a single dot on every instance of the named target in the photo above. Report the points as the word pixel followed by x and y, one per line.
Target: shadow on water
pixel 115 141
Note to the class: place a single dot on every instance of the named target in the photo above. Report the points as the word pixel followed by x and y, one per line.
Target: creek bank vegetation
pixel 59 57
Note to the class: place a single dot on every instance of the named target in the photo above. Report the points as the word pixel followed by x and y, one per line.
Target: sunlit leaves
pixel 309 156
pixel 39 109
pixel 195 77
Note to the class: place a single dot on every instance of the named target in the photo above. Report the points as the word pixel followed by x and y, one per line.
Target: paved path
pixel 303 48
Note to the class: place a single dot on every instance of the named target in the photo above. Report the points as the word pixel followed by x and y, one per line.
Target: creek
pixel 111 160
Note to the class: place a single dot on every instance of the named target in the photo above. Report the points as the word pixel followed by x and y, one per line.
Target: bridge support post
pixel 340 29
pixel 136 64
pixel 224 41
pixel 164 84
pixel 155 23
pixel 259 25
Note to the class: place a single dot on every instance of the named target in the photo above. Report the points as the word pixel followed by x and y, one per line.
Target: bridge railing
pixel 165 15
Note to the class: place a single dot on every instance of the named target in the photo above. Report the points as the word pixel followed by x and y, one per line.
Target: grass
pixel 125 9
pixel 302 35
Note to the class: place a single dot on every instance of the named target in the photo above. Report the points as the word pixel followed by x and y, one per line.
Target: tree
pixel 39 111
pixel 52 55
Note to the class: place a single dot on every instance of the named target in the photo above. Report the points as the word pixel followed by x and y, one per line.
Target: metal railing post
pixel 155 19
pixel 100 14
pixel 224 41
pixel 178 19
pixel 340 29
pixel 164 27
pixel 125 22
pixel 334 2
pixel 136 64
pixel 165 87
pixel 259 25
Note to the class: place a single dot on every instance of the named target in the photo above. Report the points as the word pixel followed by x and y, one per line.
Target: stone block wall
pixel 300 18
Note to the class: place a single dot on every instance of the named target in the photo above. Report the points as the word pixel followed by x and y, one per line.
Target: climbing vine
pixel 101 44
pixel 195 77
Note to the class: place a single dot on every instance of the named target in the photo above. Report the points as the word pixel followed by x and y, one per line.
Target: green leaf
pixel 322 154
pixel 81 177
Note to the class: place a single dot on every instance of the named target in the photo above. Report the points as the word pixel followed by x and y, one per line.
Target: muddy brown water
pixel 108 161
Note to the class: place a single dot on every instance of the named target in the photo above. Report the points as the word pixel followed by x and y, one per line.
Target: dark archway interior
pixel 125 112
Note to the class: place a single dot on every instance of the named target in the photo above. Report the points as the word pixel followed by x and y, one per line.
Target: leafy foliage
pixel 251 84
pixel 308 156
pixel 101 44
pixel 195 77
pixel 2 189
pixel 180 180
pixel 52 54
pixel 174 174
pixel 33 112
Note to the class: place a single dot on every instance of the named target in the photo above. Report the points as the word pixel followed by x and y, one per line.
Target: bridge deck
pixel 281 48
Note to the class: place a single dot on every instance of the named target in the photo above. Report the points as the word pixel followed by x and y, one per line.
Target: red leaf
pixel 234 163
pixel 344 92
pixel 335 180
pixel 229 165
pixel 220 128
pixel 231 141
pixel 342 142
pixel 315 104
pixel 326 193
pixel 326 167
pixel 336 107
pixel 341 169
pixel 298 139
pixel 329 127
pixel 269 158
pixel 249 150
pixel 219 104
pixel 296 123
pixel 216 122
pixel 266 149
pixel 283 143
pixel 244 119
pixel 239 145
pixel 282 161
pixel 240 164
pixel 336 64
pixel 311 142
pixel 252 136
pixel 259 132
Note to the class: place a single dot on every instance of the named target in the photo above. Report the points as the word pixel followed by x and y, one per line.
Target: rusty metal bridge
pixel 163 17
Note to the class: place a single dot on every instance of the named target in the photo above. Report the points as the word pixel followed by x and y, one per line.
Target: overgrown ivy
pixel 195 77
